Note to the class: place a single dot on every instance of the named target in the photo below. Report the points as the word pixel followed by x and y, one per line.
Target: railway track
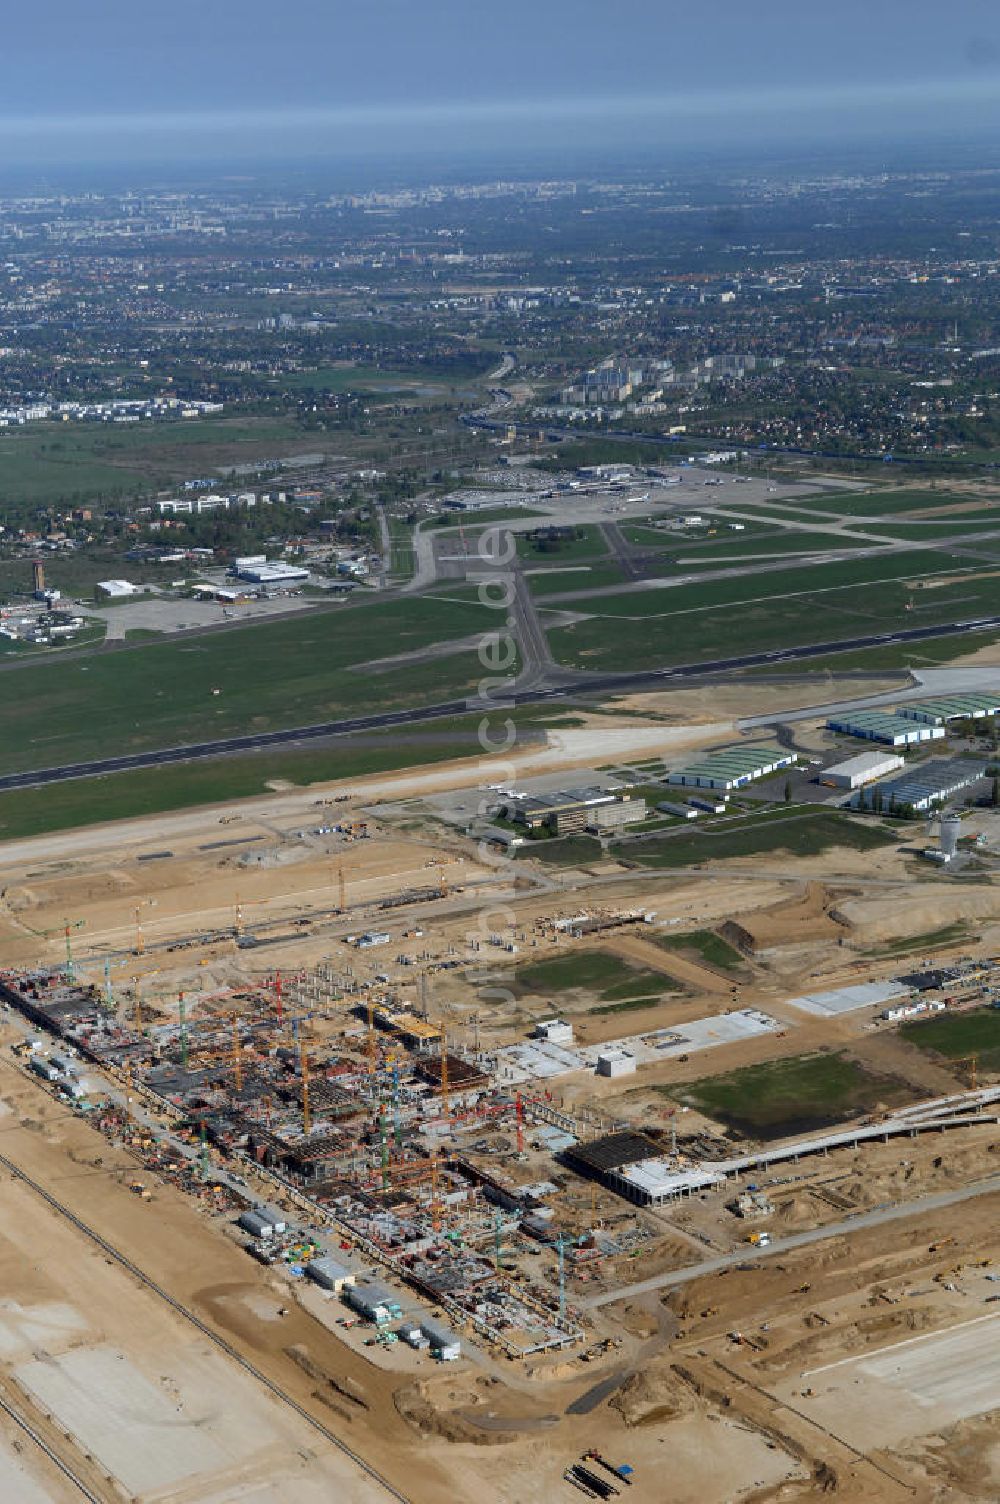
pixel 52 1455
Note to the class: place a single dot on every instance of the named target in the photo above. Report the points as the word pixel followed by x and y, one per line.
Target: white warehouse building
pixel 263 573
pixel 864 768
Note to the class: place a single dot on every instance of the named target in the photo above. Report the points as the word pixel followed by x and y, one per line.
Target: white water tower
pixel 951 829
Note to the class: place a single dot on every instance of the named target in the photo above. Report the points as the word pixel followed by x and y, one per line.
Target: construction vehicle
pixel 759 1239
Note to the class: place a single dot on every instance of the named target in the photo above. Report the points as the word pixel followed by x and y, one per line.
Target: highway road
pixel 571 684
pixel 761 453
pixel 878 1217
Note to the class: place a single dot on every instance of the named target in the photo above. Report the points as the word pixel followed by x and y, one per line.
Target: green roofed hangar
pixel 733 767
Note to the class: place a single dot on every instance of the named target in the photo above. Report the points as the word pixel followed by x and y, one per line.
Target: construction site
pixel 446 1161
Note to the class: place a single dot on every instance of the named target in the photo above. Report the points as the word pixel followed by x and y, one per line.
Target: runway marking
pixel 893 1347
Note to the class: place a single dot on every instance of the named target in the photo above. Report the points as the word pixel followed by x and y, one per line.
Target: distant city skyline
pixel 324 78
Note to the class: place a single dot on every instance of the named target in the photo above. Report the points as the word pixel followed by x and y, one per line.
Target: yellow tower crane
pixel 140 941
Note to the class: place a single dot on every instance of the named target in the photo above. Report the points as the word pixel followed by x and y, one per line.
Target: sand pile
pixel 912 912
pixel 797 1211
pixel 18 899
pixel 963 1460
pixel 656 1394
pixel 810 916
pixel 427 1410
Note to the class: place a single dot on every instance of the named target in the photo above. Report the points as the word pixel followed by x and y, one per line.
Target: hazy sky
pixel 209 78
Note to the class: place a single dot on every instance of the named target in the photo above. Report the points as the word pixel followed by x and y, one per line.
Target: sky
pixel 259 80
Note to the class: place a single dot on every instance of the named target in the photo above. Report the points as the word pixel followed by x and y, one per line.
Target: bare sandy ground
pixel 136 1392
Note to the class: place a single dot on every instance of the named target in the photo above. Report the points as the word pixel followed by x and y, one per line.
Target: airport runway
pixel 572 684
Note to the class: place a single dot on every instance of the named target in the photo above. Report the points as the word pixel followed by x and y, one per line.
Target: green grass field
pixel 924 654
pixel 586 543
pixel 959 1035
pixel 948 934
pixel 358 378
pixel 724 618
pixel 555 579
pixel 250 678
pixel 178 786
pixel 803 833
pixel 75 463
pixel 879 503
pixel 791 1096
pixel 469 520
pixel 964 524
pixel 76 573
pixel 608 977
pixel 707 946
pixel 401 561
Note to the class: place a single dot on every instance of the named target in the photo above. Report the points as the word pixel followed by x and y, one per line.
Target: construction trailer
pixel 261 1225
pixel 374 1301
pixel 443 1343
